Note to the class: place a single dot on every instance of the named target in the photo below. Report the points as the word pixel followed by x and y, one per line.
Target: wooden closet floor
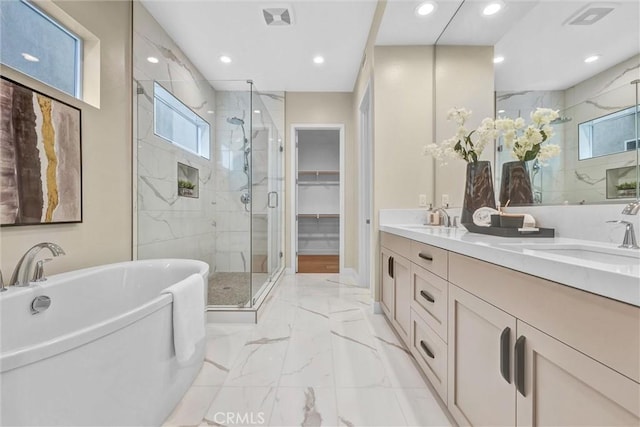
pixel 318 264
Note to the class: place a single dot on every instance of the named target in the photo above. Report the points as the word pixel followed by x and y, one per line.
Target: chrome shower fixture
pixel 235 121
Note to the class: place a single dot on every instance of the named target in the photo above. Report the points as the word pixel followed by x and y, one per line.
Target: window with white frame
pixel 178 124
pixel 37 45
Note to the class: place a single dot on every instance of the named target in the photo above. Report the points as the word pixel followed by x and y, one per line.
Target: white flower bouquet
pixel 466 145
pixel 525 142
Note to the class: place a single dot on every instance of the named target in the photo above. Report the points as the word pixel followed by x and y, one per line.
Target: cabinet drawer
pixel 429 257
pixel 429 297
pixel 397 244
pixel 430 353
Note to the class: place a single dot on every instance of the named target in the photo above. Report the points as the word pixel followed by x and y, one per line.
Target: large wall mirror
pixel 581 58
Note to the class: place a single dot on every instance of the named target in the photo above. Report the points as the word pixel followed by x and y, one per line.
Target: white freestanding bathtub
pixel 101 354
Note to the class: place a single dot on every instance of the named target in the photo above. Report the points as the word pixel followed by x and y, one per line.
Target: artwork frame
pixel 40 158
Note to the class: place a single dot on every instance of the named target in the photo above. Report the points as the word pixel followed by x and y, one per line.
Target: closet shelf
pixel 318 172
pixel 318 216
pixel 318 183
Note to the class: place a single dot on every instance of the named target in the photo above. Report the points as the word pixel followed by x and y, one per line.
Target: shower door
pixel 266 199
pixel 275 205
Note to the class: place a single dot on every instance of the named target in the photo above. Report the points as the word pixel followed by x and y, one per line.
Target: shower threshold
pixel 229 296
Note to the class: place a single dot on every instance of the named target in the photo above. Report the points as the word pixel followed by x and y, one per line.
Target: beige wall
pixel 463 78
pixel 413 87
pixel 324 108
pixel 105 234
pixel 403 124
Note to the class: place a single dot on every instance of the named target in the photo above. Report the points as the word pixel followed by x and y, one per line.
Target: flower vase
pixel 478 190
pixel 516 184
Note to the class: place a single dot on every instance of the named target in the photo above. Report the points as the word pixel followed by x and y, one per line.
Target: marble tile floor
pixel 318 356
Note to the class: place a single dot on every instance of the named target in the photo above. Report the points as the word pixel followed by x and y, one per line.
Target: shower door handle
pixel 269 199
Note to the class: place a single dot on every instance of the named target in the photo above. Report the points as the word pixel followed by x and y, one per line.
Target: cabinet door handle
pixel 426 257
pixel 426 350
pixel 519 356
pixel 390 267
pixel 505 349
pixel 427 296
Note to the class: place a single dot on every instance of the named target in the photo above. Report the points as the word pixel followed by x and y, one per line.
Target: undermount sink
pixel 599 254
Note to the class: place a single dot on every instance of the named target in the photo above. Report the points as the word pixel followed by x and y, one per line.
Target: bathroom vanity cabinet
pixel 503 347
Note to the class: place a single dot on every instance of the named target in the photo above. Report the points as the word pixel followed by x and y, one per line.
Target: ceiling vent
pixel 591 14
pixel 277 16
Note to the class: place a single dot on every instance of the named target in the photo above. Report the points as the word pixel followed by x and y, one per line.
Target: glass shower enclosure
pixel 209 184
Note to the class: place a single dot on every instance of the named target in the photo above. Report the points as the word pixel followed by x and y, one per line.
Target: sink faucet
pixel 629 241
pixel 445 220
pixel 20 275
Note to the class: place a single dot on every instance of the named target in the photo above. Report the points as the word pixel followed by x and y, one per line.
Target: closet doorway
pixel 318 198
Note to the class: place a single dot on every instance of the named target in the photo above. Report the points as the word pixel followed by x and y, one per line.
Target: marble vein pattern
pixel 318 357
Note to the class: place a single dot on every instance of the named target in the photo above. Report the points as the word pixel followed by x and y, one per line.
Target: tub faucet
pixel 20 275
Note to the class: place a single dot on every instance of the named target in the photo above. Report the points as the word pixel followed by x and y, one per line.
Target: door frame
pixel 365 251
pixel 293 196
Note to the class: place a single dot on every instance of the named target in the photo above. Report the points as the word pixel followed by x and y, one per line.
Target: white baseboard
pixel 377 309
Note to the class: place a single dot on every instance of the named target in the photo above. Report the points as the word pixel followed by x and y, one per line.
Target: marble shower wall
pixel 603 94
pixel 565 178
pixel 169 225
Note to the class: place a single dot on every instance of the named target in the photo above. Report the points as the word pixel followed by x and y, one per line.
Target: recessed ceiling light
pixel 225 59
pixel 30 58
pixel 210 111
pixel 500 111
pixel 492 8
pixel 318 60
pixel 153 59
pixel 425 8
pixel 592 58
pixel 257 111
pixel 498 59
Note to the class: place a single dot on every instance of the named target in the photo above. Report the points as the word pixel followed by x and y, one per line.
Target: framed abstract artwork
pixel 40 158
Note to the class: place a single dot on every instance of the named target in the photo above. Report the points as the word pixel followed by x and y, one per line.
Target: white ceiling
pixel 275 58
pixel 541 52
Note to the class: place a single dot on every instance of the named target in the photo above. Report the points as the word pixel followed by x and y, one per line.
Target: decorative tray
pixel 509 232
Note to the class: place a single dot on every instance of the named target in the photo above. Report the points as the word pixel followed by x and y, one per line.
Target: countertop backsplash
pixel 587 222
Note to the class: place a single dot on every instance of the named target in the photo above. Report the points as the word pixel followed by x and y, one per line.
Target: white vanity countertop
pixel 599 268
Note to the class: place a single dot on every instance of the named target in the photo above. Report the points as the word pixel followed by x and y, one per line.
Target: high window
pixel 36 45
pixel 610 134
pixel 178 124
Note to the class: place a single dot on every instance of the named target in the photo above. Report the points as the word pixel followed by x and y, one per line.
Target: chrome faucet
pixel 20 275
pixel 445 220
pixel 629 241
pixel 2 287
pixel 632 208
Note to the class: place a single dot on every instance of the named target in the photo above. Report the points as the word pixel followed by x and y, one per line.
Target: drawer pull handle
pixel 519 356
pixel 390 269
pixel 427 296
pixel 505 349
pixel 426 350
pixel 425 257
